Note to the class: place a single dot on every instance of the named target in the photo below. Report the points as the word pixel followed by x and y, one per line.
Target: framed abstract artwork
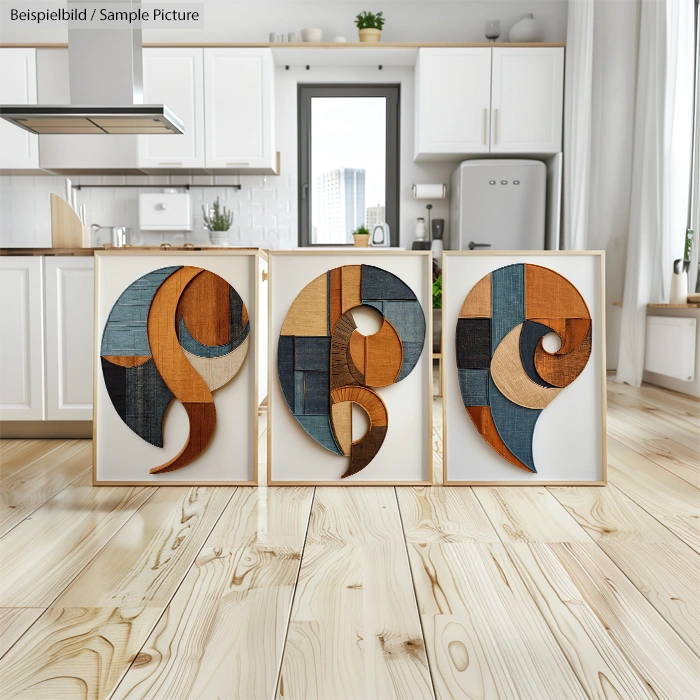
pixel 179 362
pixel 350 387
pixel 523 347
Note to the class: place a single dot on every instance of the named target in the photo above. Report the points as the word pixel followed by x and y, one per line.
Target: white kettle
pixel 380 237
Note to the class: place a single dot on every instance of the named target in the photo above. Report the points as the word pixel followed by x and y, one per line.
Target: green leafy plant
pixel 361 231
pixel 368 20
pixel 217 219
pixel 437 293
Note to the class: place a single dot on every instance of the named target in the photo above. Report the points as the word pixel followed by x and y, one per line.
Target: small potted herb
pixel 217 221
pixel 360 237
pixel 437 310
pixel 370 26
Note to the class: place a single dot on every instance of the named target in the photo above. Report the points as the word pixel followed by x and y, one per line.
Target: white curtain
pixel 577 124
pixel 658 202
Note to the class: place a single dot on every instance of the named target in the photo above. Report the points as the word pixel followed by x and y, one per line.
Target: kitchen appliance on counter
pixel 380 237
pixel 498 205
pixel 118 235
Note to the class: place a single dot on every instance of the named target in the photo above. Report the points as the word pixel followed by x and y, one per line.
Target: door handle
pixel 304 190
pixel 486 112
pixel 473 245
pixel 495 126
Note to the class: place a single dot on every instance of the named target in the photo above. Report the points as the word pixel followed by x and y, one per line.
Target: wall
pixel 407 20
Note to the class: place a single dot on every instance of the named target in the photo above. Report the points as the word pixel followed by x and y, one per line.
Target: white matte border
pixel 570 439
pixel 294 458
pixel 119 455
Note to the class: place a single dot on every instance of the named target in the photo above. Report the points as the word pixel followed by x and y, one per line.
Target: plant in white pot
pixel 217 221
pixel 370 26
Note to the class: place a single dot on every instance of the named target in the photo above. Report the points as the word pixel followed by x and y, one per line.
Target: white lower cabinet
pixel 69 285
pixel 22 338
pixel 46 338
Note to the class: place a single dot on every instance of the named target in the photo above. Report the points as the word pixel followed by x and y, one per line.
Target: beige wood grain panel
pixel 354 629
pixel 665 663
pixel 486 639
pixel 18 454
pixel 443 514
pixel 147 559
pixel 599 664
pixel 671 500
pixel 529 514
pixel 23 492
pixel 43 554
pixel 14 622
pixel 607 514
pixel 223 632
pixel 95 629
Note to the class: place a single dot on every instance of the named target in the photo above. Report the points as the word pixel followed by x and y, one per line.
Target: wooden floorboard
pixel 495 593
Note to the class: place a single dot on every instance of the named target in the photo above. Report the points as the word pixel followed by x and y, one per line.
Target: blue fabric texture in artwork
pixel 474 386
pixel 147 398
pixel 411 355
pixel 319 427
pixel 530 335
pixel 317 389
pixel 312 353
pixel 285 368
pixel 380 284
pixel 507 301
pixel 126 330
pixel 515 424
pixel 298 393
pixel 188 342
pixel 473 343
pixel 115 381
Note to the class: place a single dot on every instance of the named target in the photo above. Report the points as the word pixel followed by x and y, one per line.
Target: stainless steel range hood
pixel 106 88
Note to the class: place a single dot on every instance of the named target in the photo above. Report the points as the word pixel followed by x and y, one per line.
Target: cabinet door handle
pixel 486 112
pixel 238 165
pixel 169 163
pixel 495 126
pixel 473 245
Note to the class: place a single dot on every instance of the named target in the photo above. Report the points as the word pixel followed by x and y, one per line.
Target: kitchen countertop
pixel 90 251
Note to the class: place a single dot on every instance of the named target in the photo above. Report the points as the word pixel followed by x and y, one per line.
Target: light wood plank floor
pixel 216 593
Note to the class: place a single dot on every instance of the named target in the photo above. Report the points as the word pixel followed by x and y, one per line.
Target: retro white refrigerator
pixel 498 205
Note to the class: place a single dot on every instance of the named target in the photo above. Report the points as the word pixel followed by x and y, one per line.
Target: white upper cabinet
pixel 481 100
pixel 239 101
pixel 69 288
pixel 19 150
pixel 21 338
pixel 527 96
pixel 453 93
pixel 174 77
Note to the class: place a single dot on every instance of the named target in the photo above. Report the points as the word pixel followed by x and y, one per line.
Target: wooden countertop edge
pixel 90 251
pixel 310 45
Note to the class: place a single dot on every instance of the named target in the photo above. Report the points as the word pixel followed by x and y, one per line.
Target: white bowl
pixel 312 36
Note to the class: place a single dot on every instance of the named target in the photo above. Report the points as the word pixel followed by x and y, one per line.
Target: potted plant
pixel 370 26
pixel 437 313
pixel 217 221
pixel 360 237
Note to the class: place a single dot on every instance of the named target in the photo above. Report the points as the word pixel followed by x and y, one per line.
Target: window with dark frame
pixel 348 161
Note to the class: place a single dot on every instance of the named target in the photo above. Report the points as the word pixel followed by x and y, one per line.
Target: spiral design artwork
pixel 325 364
pixel 179 332
pixel 506 377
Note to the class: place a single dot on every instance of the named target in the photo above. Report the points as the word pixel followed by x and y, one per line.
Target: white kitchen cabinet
pixel 239 101
pixel 174 77
pixel 22 338
pixel 453 93
pixel 69 288
pixel 527 96
pixel 19 150
pixel 472 101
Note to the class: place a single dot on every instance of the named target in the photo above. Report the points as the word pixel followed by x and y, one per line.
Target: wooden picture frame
pixel 276 402
pixel 257 275
pixel 451 410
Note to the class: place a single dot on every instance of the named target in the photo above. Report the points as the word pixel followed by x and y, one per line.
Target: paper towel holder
pixel 429 191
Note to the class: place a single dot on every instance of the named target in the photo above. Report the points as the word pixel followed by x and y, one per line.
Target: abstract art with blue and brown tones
pixel 325 364
pixel 178 332
pixel 506 377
